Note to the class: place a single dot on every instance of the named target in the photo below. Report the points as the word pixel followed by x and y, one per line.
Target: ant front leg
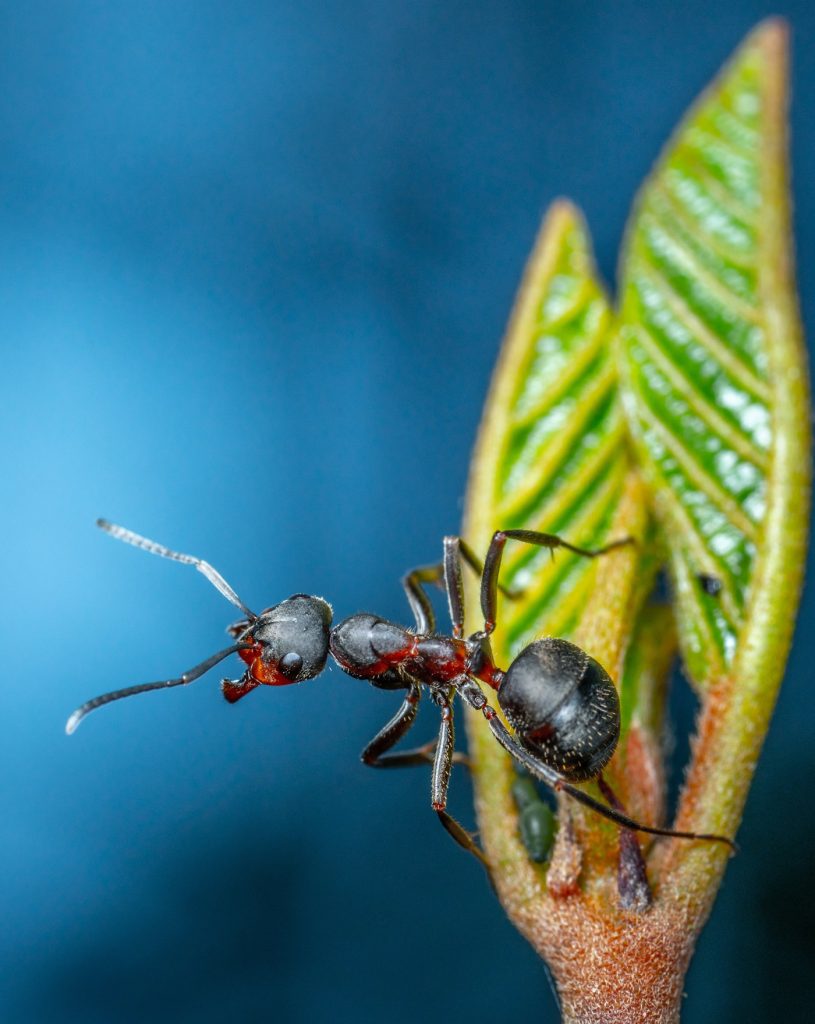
pixel 375 756
pixel 446 573
pixel 442 767
pixel 492 563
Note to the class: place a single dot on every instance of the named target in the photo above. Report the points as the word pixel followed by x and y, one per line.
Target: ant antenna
pixel 214 577
pixel 186 677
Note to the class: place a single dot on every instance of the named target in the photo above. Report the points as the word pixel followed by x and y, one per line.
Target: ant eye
pixel 290 664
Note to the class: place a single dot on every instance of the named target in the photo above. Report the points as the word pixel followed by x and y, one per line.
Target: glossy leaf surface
pixel 715 385
pixel 552 454
pixel 701 344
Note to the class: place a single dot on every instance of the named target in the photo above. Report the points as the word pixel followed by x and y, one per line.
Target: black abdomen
pixel 564 707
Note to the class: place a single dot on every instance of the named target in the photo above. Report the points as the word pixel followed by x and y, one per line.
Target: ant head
pixel 292 639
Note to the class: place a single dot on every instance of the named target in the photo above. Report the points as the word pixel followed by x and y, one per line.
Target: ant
pixel 560 702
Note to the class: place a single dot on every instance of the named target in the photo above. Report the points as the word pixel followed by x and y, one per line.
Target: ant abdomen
pixel 564 706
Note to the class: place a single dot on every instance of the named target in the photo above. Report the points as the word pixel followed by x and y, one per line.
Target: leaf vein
pixel 706 485
pixel 713 344
pixel 706 412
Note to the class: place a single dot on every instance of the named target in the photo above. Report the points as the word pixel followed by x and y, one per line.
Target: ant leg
pixel 456 552
pixel 453 583
pixel 635 826
pixel 425 754
pixel 374 755
pixel 492 563
pixel 414 583
pixel 471 692
pixel 448 573
pixel 442 767
pixel 632 877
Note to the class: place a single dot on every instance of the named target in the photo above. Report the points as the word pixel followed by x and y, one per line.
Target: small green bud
pixel 536 824
pixel 524 792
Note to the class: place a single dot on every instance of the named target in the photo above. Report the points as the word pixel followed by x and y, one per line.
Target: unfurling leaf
pixel 714 382
pixel 552 456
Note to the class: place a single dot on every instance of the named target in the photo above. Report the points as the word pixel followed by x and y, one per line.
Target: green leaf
pixel 714 382
pixel 552 453
pixel 714 389
pixel 552 456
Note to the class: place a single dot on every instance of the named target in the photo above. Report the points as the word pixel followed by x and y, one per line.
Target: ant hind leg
pixel 492 563
pixel 471 693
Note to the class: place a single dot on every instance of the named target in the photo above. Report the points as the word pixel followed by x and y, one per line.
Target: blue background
pixel 256 262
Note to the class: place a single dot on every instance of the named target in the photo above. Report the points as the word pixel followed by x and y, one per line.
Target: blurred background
pixel 256 262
